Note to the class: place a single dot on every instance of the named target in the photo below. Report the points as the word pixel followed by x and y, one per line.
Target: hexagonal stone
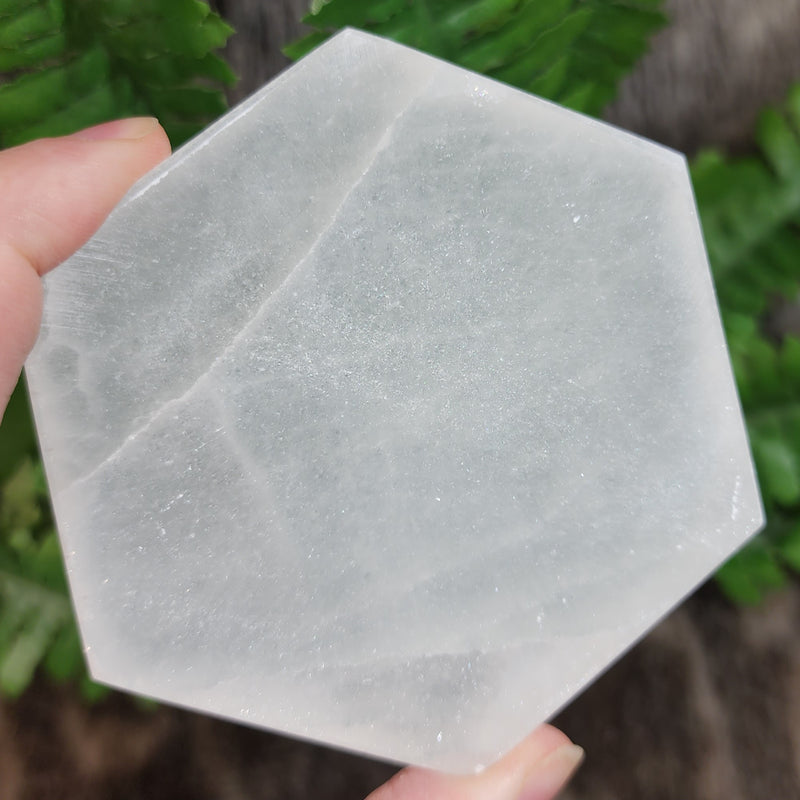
pixel 389 410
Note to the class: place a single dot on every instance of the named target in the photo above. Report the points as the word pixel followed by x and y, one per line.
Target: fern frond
pixel 572 51
pixel 31 36
pixel 64 66
pixel 750 209
pixel 751 573
pixel 768 377
pixel 31 617
pixel 36 622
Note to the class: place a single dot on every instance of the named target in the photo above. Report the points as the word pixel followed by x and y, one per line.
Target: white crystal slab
pixel 389 410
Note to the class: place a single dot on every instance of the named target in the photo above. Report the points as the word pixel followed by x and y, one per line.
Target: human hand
pixel 54 194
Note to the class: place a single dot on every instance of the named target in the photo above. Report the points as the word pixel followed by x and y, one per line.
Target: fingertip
pixel 549 775
pixel 416 783
pixel 60 190
pixel 126 128
pixel 536 746
pixel 157 143
pixel 142 139
pixel 147 132
pixel 536 769
pixel 56 193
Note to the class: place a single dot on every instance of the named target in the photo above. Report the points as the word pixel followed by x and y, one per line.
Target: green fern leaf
pixel 750 209
pixel 35 22
pixel 300 47
pixel 571 51
pixel 33 52
pixel 64 658
pixel 36 95
pixel 546 50
pixel 789 547
pixel 779 144
pixel 494 50
pixel 36 622
pixel 768 377
pixel 68 66
pixel 750 574
pixel 32 613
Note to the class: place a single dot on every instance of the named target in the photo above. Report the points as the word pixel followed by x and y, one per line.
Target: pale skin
pixel 54 194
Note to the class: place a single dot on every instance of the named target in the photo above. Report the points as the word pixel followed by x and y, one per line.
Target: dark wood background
pixel 706 707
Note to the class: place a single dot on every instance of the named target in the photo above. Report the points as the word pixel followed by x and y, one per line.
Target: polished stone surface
pixel 389 410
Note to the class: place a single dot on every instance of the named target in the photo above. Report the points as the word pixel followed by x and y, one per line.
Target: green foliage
pixel 572 51
pixel 768 375
pixel 67 64
pixel 17 439
pixel 36 624
pixel 750 210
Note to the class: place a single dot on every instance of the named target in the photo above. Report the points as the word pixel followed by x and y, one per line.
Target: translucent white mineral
pixel 389 410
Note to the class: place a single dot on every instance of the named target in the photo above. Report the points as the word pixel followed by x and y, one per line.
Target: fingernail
pixel 551 774
pixel 131 128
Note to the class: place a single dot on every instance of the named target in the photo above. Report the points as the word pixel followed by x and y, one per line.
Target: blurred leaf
pixel 750 574
pixel 750 209
pixel 64 658
pixel 32 616
pixel 93 692
pixel 777 466
pixel 19 507
pixel 17 437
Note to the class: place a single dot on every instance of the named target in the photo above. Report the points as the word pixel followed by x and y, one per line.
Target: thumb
pixel 537 769
pixel 54 193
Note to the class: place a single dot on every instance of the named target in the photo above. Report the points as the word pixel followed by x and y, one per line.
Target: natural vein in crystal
pixel 382 143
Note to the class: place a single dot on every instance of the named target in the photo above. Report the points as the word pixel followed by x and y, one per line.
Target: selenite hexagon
pixel 389 410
